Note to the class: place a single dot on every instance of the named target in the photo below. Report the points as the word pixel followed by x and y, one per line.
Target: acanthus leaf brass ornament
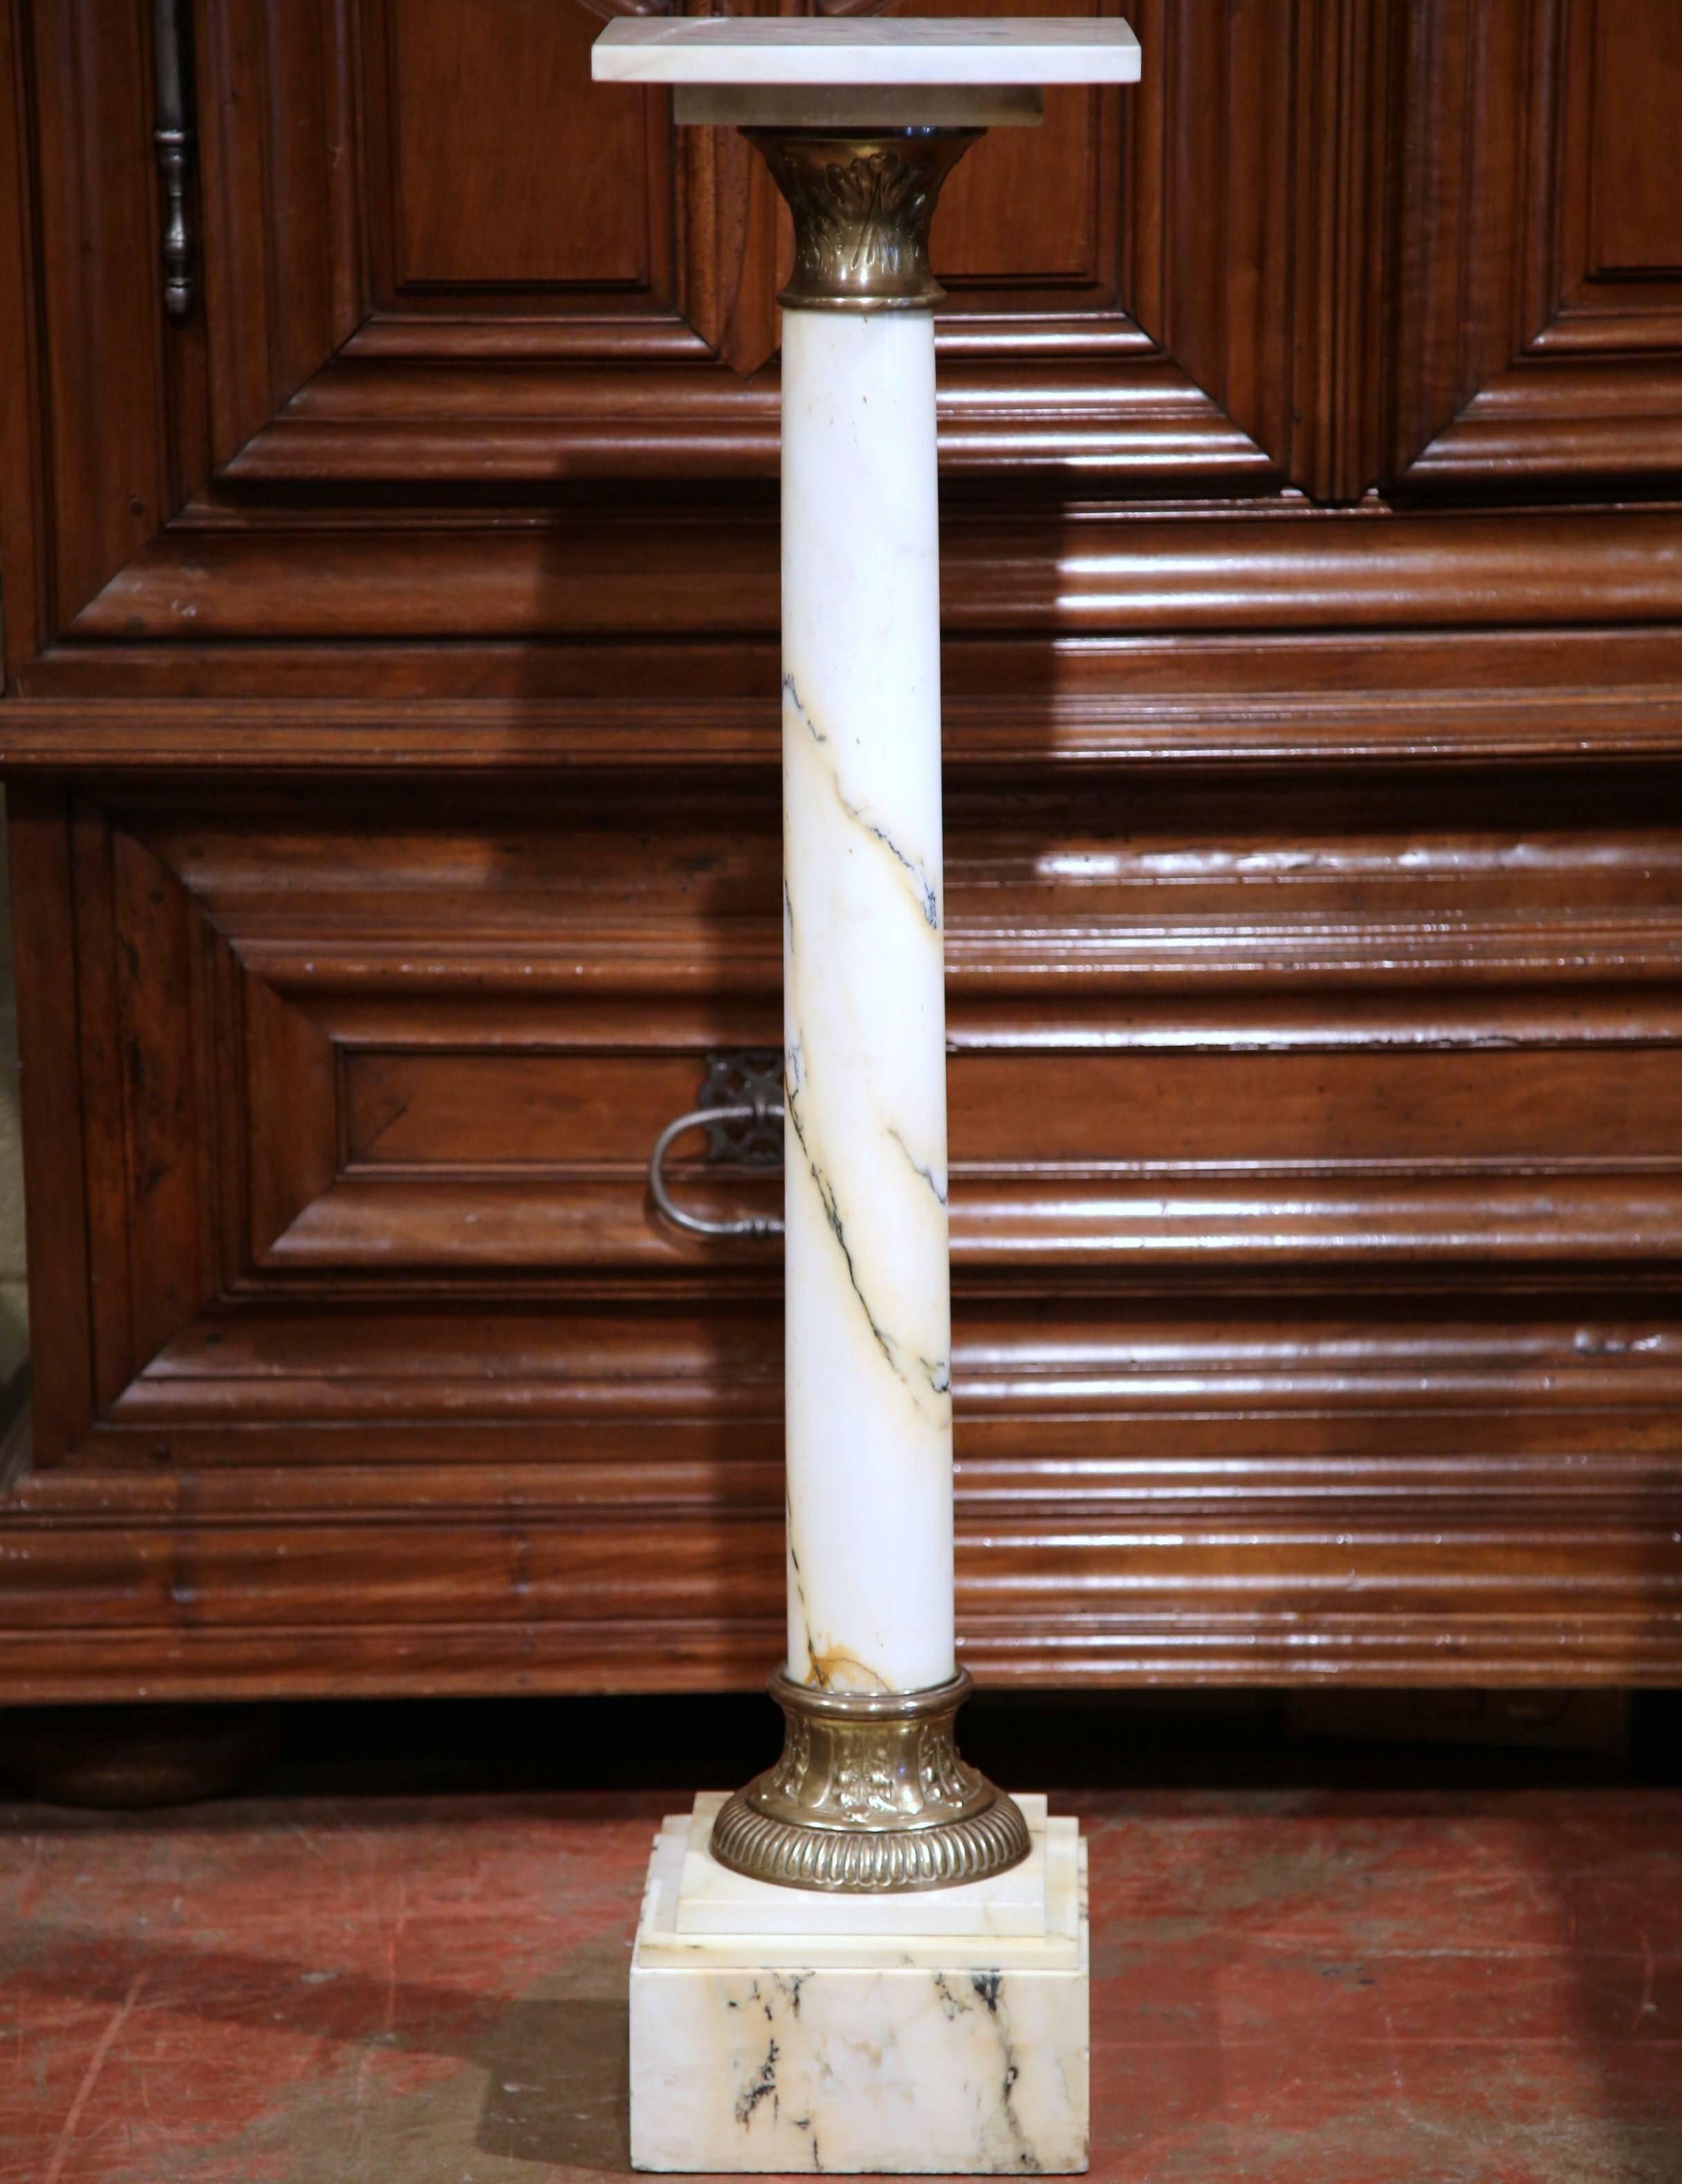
pixel 862 205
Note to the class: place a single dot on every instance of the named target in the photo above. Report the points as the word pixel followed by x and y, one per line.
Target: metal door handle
pixel 172 139
pixel 741 1109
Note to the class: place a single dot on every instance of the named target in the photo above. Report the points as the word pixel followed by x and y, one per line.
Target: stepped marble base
pixel 841 2034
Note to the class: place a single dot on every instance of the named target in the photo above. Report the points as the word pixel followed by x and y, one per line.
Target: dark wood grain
pixel 64 1390
pixel 23 546
pixel 98 293
pixel 531 182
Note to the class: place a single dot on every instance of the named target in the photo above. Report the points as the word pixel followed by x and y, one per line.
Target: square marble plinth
pixel 927 50
pixel 788 71
pixel 902 2038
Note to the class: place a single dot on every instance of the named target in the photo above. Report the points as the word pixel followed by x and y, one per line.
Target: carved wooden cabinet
pixel 391 740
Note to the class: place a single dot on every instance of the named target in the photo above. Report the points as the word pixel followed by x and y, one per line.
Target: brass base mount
pixel 869 1797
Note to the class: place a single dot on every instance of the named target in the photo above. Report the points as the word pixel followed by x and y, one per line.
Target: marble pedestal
pixel 827 2003
pixel 773 2029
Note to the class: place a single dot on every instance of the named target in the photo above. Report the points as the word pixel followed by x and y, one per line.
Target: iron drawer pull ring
pixel 747 1224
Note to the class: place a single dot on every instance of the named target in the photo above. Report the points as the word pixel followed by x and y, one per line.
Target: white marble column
pixel 868 1298
pixel 860 122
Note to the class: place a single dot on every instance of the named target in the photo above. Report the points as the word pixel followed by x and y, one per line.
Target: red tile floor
pixel 1310 1986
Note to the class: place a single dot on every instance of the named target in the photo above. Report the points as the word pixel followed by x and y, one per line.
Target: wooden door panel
pixel 279 225
pixel 1394 1102
pixel 1632 155
pixel 1145 1107
pixel 1540 329
pixel 458 1050
pixel 104 462
pixel 498 1112
pixel 1618 253
pixel 1035 208
pixel 506 170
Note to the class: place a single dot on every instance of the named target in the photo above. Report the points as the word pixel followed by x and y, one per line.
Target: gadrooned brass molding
pixel 862 205
pixel 869 1797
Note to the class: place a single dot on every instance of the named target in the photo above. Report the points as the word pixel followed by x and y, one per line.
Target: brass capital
pixel 862 205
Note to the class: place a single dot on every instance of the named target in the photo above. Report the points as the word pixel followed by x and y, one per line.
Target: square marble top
pixel 876 50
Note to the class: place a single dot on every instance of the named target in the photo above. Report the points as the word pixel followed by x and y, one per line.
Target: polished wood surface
pixel 390 656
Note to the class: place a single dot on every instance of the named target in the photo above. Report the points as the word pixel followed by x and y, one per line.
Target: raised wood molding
pixel 1093 571
pixel 1431 1505
pixel 1078 1567
pixel 1321 1323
